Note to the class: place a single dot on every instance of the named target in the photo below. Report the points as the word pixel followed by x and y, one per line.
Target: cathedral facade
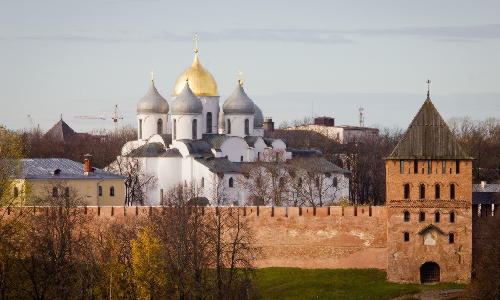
pixel 194 141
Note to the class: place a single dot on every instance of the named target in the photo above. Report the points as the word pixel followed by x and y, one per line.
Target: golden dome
pixel 202 83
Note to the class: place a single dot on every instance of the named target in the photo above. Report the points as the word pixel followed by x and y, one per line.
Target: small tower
pixel 152 114
pixel 429 197
pixel 239 112
pixel 187 115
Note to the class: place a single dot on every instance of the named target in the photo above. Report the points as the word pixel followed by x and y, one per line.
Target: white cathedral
pixel 193 141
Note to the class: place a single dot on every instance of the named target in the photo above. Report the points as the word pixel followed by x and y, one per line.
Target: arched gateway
pixel 429 272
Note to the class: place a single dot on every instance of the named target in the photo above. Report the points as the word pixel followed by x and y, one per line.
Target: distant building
pixel 60 177
pixel 62 132
pixel 344 134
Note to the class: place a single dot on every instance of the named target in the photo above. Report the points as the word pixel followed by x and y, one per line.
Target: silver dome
pixel 258 118
pixel 186 103
pixel 152 102
pixel 238 103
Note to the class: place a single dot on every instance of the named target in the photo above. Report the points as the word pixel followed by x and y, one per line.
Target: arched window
pixel 247 127
pixel 231 182
pixel 421 216
pixel 194 129
pixel 175 129
pixel 16 192
pixel 451 238
pixel 452 191
pixel 159 126
pixel 457 166
pixel 140 128
pixel 300 182
pixel 55 192
pixel 422 191
pixel 228 126
pixel 406 216
pixel 406 236
pixel 241 158
pixel 202 181
pixel 415 166
pixel 99 190
pixel 209 122
pixel 437 191
pixel 66 192
pixel 407 191
pixel 452 217
pixel 335 182
pixel 258 155
pixel 112 191
pixel 437 217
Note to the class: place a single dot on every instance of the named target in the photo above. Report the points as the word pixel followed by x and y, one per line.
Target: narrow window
pixel 422 191
pixel 457 166
pixel 66 192
pixel 401 166
pixel 231 182
pixel 300 182
pixel 202 181
pixel 194 129
pixel 415 166
pixel 407 191
pixel 247 127
pixel 452 191
pixel 228 126
pixel 282 181
pixel 451 238
pixel 241 158
pixel 55 192
pixel 437 217
pixel 175 129
pixel 16 192
pixel 335 182
pixel 429 167
pixel 209 122
pixel 140 128
pixel 112 191
pixel 258 155
pixel 443 167
pixel 99 190
pixel 452 217
pixel 406 236
pixel 437 191
pixel 159 126
pixel 421 216
pixel 406 217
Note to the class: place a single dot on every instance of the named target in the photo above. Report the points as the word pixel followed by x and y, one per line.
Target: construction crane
pixel 116 117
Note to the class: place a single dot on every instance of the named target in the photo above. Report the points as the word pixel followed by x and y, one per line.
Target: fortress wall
pixel 305 237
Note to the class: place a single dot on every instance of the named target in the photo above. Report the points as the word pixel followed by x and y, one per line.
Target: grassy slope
pixel 294 283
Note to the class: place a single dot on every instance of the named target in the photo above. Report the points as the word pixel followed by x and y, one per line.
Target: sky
pixel 299 58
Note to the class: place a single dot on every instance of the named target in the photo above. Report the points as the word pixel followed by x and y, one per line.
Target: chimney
pixel 483 184
pixel 268 126
pixel 87 164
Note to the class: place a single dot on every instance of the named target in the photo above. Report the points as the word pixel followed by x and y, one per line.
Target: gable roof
pixel 428 137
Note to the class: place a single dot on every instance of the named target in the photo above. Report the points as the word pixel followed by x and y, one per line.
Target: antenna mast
pixel 361 117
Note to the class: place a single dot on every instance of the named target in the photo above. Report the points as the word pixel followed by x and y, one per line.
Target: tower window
pixel 247 127
pixel 452 217
pixel 194 129
pixel 437 191
pixel 299 183
pixel 335 182
pixel 401 166
pixel 16 192
pixel 228 126
pixel 406 236
pixel 407 191
pixel 99 190
pixel 231 182
pixel 406 216
pixel 457 166
pixel 443 167
pixel 112 191
pixel 241 158
pixel 429 167
pixel 451 238
pixel 140 128
pixel 437 217
pixel 175 129
pixel 422 191
pixel 209 122
pixel 415 166
pixel 421 216
pixel 452 191
pixel 159 126
pixel 202 181
pixel 258 155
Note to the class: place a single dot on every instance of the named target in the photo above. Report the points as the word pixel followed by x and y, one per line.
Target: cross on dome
pixel 196 39
pixel 240 77
pixel 428 88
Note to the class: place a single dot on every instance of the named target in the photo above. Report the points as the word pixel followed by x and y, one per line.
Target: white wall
pixel 184 129
pixel 149 125
pixel 210 104
pixel 234 148
pixel 238 125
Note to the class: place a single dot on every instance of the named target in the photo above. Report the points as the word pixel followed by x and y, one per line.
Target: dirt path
pixel 433 295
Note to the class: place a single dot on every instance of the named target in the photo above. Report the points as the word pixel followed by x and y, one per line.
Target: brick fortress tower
pixel 429 198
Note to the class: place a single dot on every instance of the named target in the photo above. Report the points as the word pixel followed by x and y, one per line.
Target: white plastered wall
pixel 238 125
pixel 184 126
pixel 150 125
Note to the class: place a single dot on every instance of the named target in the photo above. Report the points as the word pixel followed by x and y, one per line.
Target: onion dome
pixel 152 102
pixel 258 118
pixel 186 103
pixel 238 103
pixel 202 83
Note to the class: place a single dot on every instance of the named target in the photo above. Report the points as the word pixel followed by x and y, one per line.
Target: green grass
pixel 294 283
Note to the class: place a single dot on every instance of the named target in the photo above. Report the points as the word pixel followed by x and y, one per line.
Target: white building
pixel 193 141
